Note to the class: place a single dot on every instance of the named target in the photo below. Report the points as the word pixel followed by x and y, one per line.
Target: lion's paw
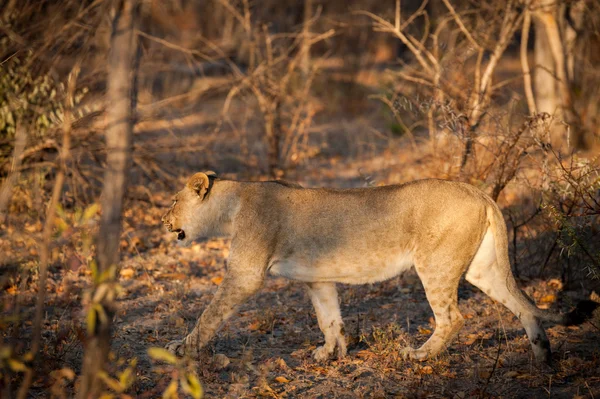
pixel 321 354
pixel 176 347
pixel 409 353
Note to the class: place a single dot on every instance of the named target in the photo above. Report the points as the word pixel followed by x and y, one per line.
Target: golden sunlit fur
pixel 324 236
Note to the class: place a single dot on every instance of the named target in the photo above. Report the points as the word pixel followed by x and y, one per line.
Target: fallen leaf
pixel 484 374
pixel 127 273
pixel 555 283
pixel 366 354
pixel 424 331
pixel 550 298
pixel 426 370
pixel 297 353
pixel 254 326
pixel 523 376
pixel 172 276
pixel 30 228
pixel 281 364
pixel 471 338
pixel 282 379
pixel 217 280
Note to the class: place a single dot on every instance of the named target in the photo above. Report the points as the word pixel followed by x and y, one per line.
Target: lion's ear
pixel 201 183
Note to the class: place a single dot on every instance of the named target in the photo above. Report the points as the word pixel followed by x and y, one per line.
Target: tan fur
pixel 323 236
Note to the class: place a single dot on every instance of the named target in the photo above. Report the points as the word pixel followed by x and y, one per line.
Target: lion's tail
pixel 582 312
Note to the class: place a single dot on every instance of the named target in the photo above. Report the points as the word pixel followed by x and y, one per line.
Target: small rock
pixel 220 361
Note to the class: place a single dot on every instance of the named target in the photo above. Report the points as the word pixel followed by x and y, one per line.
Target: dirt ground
pixel 265 349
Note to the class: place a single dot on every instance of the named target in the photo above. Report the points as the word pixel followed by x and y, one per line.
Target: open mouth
pixel 180 234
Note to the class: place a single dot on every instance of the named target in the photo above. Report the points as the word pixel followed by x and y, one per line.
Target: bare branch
pixel 525 62
pixel 49 225
pixel 13 174
pixel 381 25
pixel 461 25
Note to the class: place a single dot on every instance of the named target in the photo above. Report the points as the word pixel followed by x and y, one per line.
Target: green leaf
pixel 126 378
pixel 108 274
pixel 171 391
pixel 90 212
pixel 110 382
pixel 61 224
pixel 162 354
pixel 91 321
pixel 94 269
pixel 66 373
pixel 191 385
pixel 17 365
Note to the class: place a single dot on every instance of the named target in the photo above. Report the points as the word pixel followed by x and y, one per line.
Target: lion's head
pixel 186 216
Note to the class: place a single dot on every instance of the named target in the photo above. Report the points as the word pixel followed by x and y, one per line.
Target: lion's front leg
pixel 325 300
pixel 233 291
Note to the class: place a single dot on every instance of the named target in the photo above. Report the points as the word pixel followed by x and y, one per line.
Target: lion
pixel 325 236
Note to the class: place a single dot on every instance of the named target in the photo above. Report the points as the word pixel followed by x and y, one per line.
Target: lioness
pixel 355 236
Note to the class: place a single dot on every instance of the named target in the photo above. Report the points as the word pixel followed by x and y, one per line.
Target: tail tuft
pixel 581 313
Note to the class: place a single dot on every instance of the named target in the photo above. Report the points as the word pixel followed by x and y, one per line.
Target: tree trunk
pixel 546 94
pixel 552 85
pixel 121 94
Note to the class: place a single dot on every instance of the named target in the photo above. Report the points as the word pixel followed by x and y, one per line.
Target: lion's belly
pixel 356 270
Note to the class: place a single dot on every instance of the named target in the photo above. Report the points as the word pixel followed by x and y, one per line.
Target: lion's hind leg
pixel 440 273
pixel 325 300
pixel 442 295
pixel 496 284
pixel 491 273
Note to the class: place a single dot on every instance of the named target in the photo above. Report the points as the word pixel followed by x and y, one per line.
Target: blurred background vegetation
pixel 503 95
